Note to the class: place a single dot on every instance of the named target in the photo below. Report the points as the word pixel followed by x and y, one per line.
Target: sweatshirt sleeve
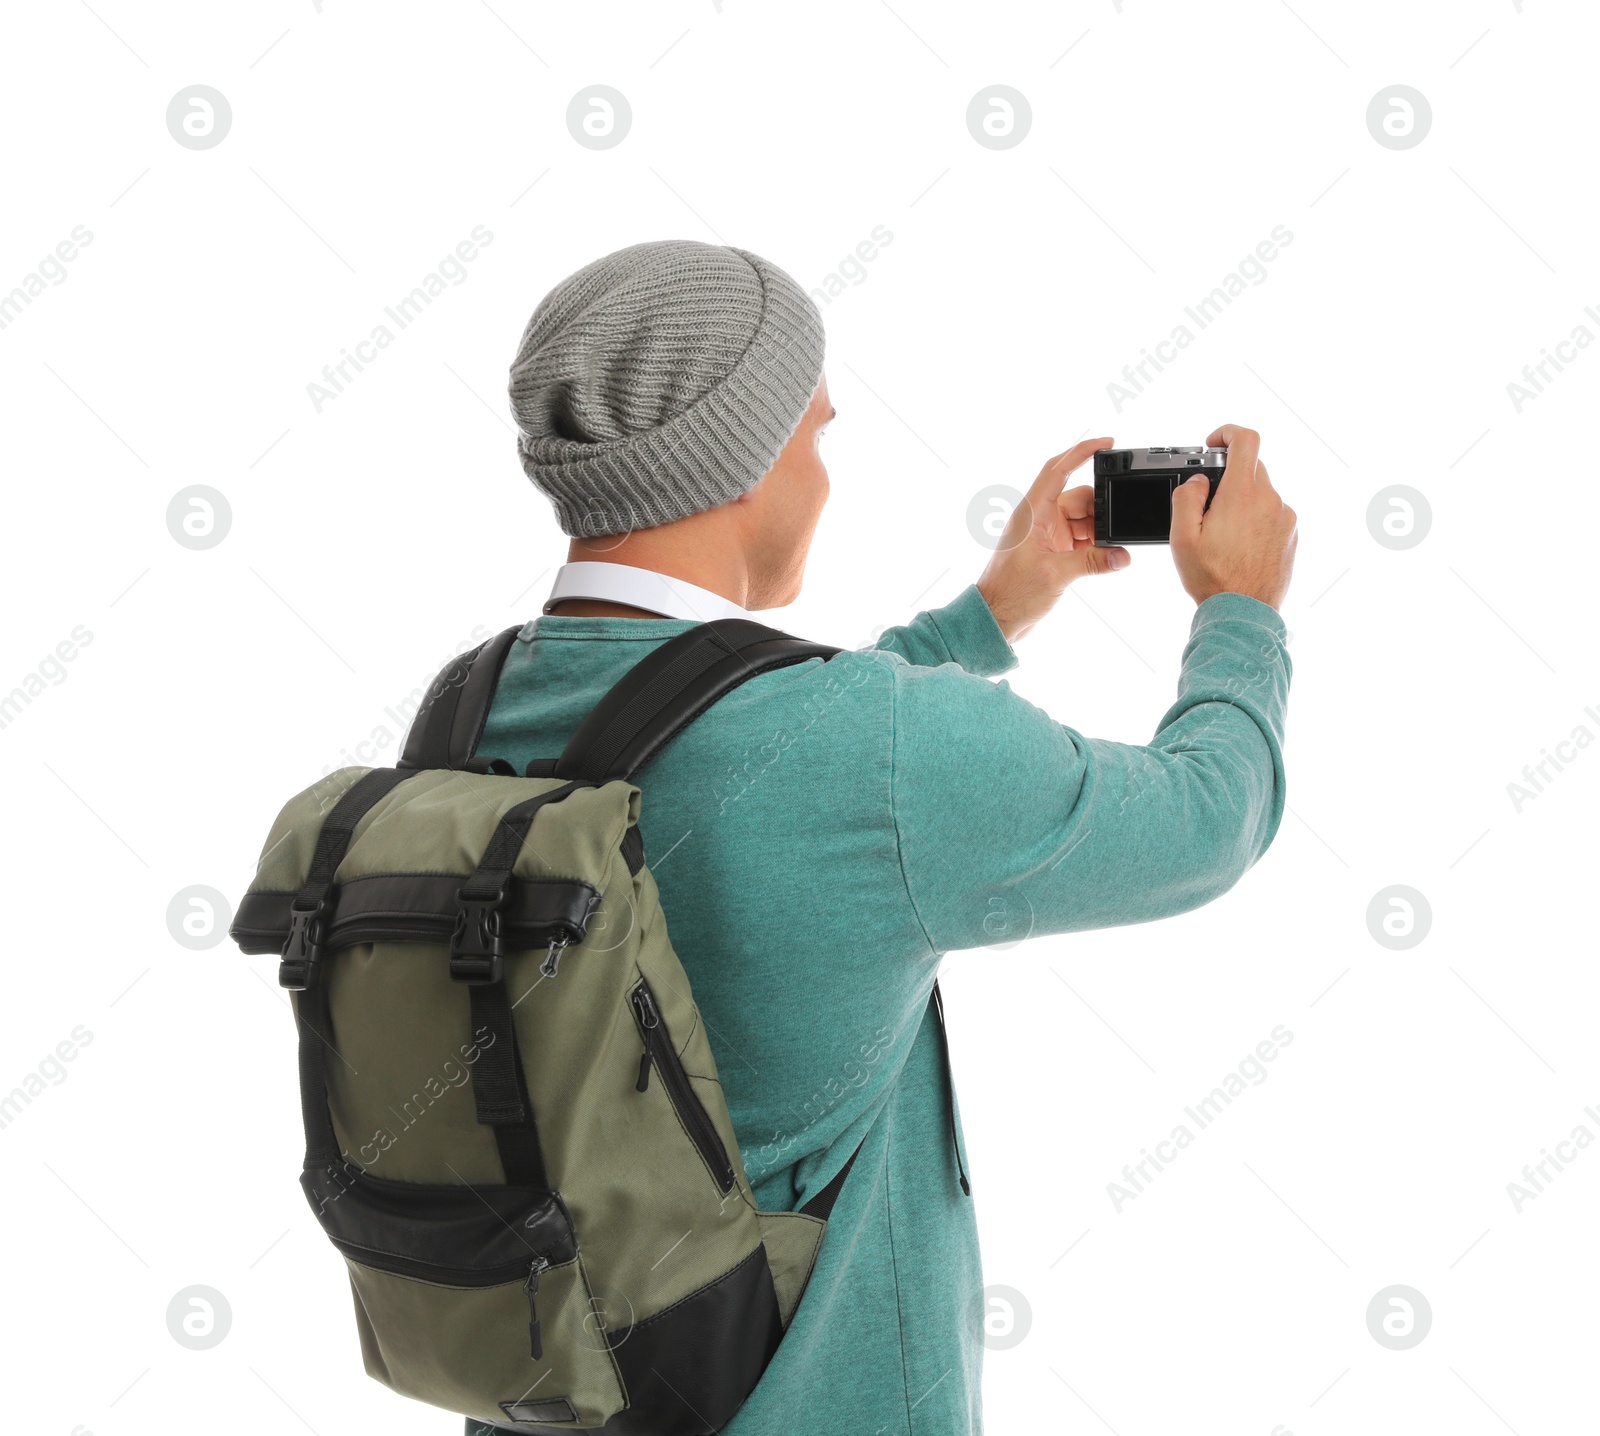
pixel 1012 825
pixel 963 632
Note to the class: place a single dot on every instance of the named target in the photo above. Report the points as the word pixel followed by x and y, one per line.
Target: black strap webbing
pixel 333 842
pixel 822 1204
pixel 302 948
pixel 506 844
pixel 500 1089
pixel 316 1036
pixel 671 687
pixel 302 957
pixel 499 1085
pixel 448 725
pixel 949 1087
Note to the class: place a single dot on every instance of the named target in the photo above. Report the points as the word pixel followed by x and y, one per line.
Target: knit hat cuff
pixel 712 452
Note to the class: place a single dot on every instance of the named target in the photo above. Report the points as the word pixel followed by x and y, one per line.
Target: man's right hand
pixel 1245 542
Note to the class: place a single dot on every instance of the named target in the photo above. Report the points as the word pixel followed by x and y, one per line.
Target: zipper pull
pixel 649 1020
pixel 552 959
pixel 531 1286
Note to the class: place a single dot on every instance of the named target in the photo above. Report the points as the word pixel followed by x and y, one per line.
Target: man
pixel 824 833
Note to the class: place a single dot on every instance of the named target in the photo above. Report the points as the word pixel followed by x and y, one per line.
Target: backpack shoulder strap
pixel 666 691
pixel 448 725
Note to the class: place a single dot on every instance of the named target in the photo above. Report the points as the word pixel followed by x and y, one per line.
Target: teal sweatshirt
pixel 820 837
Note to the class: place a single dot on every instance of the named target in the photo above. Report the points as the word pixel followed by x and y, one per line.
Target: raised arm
pixel 1011 824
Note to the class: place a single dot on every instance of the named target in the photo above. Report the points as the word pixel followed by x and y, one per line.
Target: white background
pixel 372 539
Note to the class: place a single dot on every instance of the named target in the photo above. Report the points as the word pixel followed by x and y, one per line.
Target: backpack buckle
pixel 302 949
pixel 478 942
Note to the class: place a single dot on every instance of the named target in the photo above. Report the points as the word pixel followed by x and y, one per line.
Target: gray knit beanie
pixel 662 380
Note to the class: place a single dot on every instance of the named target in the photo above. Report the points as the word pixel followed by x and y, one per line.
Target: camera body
pixel 1133 490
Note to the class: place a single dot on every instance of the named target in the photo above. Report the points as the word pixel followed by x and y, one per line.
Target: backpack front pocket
pixel 661 1055
pixel 471 1298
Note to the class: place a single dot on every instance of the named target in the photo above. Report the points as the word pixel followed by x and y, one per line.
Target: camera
pixel 1133 490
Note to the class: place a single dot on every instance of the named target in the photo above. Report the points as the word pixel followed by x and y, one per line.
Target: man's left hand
pixel 1047 542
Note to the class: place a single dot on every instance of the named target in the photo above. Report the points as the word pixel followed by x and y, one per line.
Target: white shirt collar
pixel 640 588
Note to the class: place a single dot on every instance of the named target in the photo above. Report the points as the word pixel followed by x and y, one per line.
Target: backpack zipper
pixel 530 1272
pixel 437 928
pixel 437 1272
pixel 552 959
pixel 541 1264
pixel 660 1051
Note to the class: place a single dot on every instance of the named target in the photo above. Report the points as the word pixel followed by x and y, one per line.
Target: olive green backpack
pixel 515 1134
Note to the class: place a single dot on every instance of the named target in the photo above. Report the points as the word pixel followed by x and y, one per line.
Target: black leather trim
pixel 712 1347
pixel 552 1408
pixel 687 1370
pixel 418 907
pixel 463 1236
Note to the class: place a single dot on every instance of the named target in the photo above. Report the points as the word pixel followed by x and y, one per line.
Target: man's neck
pixel 590 587
pixel 707 560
